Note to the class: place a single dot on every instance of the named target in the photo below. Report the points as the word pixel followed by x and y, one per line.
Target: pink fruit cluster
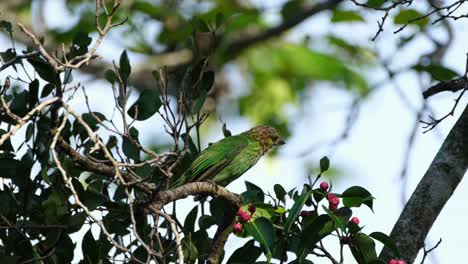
pixel 333 202
pixel 394 261
pixel 332 199
pixel 243 217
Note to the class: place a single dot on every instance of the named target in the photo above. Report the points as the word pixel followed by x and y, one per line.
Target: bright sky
pixel 371 157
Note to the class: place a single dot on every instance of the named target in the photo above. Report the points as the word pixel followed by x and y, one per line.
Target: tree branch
pixel 101 168
pixel 449 86
pixel 433 191
pixel 194 188
pixel 241 44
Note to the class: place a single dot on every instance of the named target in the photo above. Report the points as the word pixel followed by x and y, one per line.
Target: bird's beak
pixel 280 142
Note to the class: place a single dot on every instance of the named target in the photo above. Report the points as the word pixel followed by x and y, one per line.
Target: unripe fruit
pixel 252 208
pixel 324 186
pixel 237 228
pixel 355 220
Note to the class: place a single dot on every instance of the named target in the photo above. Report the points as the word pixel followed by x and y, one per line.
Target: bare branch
pixel 194 188
pixel 26 118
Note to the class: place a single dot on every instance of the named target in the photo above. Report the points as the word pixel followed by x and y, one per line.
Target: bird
pixel 226 160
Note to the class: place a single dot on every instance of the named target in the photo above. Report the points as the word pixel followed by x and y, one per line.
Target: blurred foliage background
pixel 269 57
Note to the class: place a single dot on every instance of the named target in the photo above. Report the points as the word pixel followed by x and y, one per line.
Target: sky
pixel 373 154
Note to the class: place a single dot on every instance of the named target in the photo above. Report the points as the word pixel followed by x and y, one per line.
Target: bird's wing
pixel 216 157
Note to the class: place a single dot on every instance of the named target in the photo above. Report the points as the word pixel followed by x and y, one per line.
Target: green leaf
pixel 219 19
pixel 263 231
pixel 200 101
pixel 29 132
pixel 246 254
pixel 20 103
pixel 146 106
pixel 318 228
pixel 412 16
pixel 387 241
pixel 81 41
pixel 6 25
pixel 291 8
pixel 280 192
pixel 262 210
pixel 295 210
pixel 437 72
pixel 324 164
pixel 45 71
pixel 340 219
pixel 7 147
pixel 364 248
pixel 110 76
pixel 346 16
pixel 33 93
pixel 47 89
pixel 206 221
pixel 375 3
pixel 124 66
pixel 200 25
pixel 189 222
pixel 355 196
pixel 259 195
pixel 89 248
pixel 130 149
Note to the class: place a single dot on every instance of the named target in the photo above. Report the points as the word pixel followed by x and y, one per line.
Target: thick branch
pixel 221 236
pixel 194 188
pixel 433 191
pixel 449 86
pixel 239 45
pixel 90 165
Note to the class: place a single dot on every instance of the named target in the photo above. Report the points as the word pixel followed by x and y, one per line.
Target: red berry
pixel 393 261
pixel 240 211
pixel 252 208
pixel 335 201
pixel 330 196
pixel 304 213
pixel 237 228
pixel 332 207
pixel 400 262
pixel 324 186
pixel 355 220
pixel 244 217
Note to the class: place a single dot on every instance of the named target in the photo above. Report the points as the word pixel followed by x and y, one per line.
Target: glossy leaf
pixel 146 106
pixel 387 241
pixel 124 66
pixel 247 254
pixel 295 210
pixel 263 231
pixel 355 196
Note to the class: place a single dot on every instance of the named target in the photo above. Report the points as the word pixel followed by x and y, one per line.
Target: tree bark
pixel 433 191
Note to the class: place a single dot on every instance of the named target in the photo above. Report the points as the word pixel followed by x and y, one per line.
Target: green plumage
pixel 227 159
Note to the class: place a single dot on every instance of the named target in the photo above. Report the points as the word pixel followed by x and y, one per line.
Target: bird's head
pixel 266 135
